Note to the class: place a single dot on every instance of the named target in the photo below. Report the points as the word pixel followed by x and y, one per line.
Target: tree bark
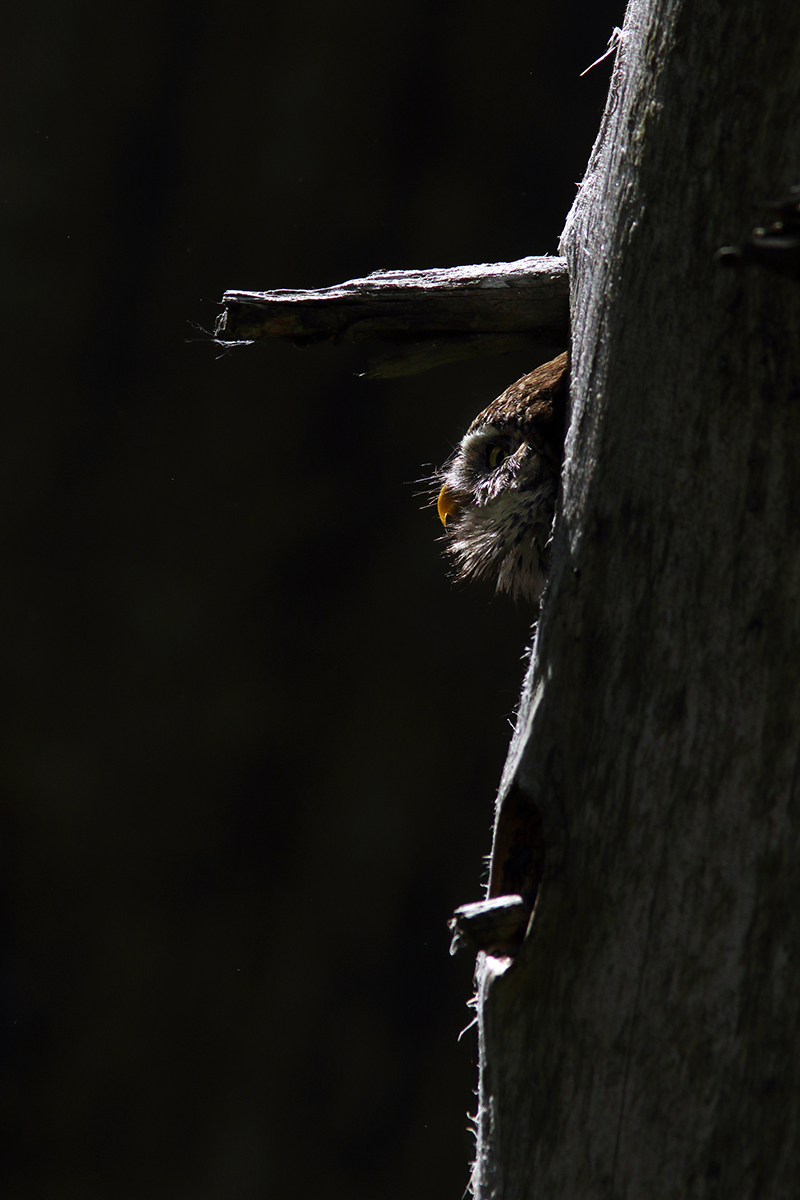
pixel 431 317
pixel 645 1041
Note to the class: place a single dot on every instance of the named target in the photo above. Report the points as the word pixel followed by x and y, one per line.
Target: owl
pixel 497 493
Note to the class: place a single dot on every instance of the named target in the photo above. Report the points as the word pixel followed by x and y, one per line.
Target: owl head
pixel 497 493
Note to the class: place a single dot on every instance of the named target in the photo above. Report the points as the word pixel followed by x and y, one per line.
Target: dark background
pixel 252 730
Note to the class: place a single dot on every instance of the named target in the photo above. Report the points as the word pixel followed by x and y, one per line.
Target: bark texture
pixel 431 317
pixel 645 1042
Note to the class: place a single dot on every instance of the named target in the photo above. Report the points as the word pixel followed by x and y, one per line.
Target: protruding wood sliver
pixel 496 926
pixel 776 247
pixel 431 317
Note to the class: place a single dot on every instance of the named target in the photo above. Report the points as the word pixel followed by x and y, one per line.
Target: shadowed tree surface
pixel 646 1040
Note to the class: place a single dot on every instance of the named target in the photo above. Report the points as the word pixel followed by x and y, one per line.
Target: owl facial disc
pixel 498 492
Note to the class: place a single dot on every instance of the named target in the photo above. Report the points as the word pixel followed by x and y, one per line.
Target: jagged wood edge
pixel 430 317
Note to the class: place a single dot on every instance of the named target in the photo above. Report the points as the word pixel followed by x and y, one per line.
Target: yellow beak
pixel 446 504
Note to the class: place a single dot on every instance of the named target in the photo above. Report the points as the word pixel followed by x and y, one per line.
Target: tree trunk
pixel 645 1042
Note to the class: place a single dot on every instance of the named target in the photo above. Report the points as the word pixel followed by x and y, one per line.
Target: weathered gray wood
pixel 497 926
pixel 777 246
pixel 645 1043
pixel 435 316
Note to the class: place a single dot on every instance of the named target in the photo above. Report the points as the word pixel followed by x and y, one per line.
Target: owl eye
pixel 496 456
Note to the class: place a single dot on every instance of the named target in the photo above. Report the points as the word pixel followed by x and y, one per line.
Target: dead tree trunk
pixel 645 1042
